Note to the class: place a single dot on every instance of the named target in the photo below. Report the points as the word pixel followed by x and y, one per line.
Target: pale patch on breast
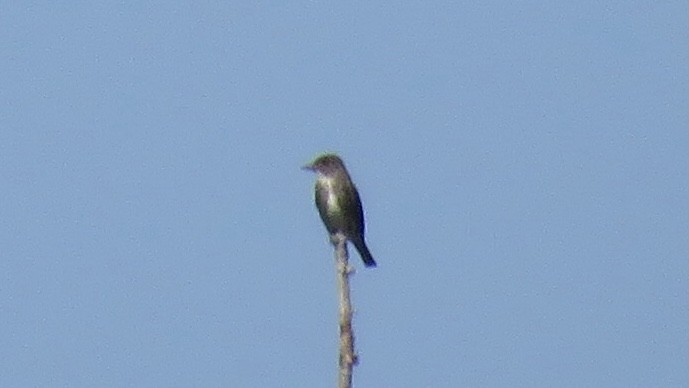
pixel 329 185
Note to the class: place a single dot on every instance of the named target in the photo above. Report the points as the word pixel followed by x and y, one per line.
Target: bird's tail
pixel 361 247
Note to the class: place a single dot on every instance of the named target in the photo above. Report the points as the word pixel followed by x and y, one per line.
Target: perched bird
pixel 338 202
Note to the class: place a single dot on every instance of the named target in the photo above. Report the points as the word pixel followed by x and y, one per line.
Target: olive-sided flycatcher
pixel 338 202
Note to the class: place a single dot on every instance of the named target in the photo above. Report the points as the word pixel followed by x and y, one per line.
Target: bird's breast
pixel 329 191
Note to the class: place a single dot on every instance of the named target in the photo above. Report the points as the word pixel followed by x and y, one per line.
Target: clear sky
pixel 523 166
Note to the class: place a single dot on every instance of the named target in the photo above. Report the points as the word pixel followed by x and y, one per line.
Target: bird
pixel 338 202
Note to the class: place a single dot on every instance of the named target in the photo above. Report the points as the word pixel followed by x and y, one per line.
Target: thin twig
pixel 347 356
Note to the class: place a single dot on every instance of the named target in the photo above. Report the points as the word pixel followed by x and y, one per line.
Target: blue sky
pixel 523 167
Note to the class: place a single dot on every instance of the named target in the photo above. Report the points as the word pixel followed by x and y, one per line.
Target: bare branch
pixel 348 357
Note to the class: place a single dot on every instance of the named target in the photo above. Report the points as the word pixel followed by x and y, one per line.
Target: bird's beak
pixel 308 167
